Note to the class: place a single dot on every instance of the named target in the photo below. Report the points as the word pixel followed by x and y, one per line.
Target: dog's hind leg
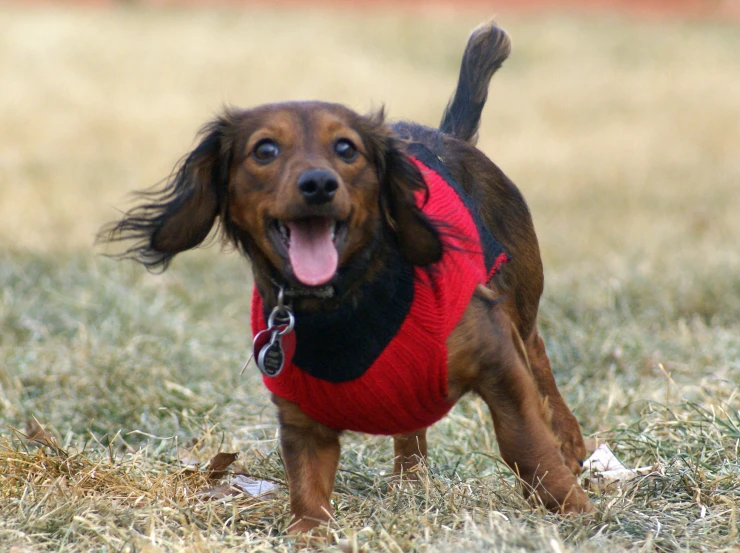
pixel 487 338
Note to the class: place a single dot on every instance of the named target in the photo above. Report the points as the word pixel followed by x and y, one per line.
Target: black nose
pixel 317 186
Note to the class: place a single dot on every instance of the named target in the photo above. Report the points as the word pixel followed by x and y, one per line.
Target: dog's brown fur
pixel 495 350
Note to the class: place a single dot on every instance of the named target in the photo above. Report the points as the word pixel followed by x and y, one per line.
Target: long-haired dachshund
pixel 396 269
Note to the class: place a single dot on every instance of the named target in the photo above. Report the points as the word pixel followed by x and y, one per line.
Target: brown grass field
pixel 623 134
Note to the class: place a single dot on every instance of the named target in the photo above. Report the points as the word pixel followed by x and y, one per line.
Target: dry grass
pixel 623 136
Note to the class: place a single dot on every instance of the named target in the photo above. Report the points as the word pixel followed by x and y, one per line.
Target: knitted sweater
pixel 380 366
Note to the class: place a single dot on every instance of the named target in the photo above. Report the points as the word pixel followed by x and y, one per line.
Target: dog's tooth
pixel 284 232
pixel 334 230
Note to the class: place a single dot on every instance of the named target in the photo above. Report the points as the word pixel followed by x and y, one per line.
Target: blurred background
pixel 618 119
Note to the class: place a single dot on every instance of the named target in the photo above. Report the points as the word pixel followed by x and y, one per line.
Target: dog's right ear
pixel 180 215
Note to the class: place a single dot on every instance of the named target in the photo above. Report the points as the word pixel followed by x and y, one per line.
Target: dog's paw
pixel 309 535
pixel 396 482
pixel 577 503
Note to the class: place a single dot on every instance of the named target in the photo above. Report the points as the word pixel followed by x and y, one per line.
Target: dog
pixel 396 269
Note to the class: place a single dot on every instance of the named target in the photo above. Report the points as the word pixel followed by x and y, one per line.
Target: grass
pixel 623 136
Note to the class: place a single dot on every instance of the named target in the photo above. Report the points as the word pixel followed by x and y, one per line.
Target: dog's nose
pixel 317 186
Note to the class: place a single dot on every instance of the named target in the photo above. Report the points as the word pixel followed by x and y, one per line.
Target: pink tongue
pixel 311 250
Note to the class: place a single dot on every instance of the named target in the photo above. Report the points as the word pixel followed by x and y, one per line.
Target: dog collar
pixel 321 292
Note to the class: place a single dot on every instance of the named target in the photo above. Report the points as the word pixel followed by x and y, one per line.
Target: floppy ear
pixel 179 216
pixel 400 180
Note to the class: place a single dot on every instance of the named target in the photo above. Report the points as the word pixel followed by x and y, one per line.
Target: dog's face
pixel 301 188
pixel 305 188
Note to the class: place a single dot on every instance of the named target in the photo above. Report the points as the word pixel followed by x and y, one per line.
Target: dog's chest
pixel 380 366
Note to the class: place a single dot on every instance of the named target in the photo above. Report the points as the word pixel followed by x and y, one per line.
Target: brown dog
pixel 381 295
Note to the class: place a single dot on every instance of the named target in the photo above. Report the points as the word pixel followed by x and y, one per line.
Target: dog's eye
pixel 345 150
pixel 265 150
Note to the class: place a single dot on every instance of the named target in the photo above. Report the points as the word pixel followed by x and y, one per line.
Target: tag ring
pixel 278 319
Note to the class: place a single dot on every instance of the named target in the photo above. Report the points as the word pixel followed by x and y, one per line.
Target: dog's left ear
pixel 400 181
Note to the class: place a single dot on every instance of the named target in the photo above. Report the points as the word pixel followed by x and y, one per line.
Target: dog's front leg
pixel 311 455
pixel 409 450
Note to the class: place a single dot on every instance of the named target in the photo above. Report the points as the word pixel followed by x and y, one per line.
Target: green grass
pixel 622 135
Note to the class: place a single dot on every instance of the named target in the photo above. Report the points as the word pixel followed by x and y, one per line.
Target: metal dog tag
pixel 274 347
pixel 271 358
pixel 272 344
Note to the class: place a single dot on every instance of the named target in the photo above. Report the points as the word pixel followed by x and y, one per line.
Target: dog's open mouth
pixel 312 246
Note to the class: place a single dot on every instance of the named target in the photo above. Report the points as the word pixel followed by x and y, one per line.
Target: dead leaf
pixel 219 463
pixel 36 433
pixel 220 491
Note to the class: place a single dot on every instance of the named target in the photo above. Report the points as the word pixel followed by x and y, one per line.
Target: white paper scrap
pixel 256 488
pixel 603 469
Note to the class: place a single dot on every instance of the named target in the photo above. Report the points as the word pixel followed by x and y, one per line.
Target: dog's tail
pixel 487 48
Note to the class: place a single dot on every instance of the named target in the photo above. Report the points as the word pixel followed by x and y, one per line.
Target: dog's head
pixel 302 188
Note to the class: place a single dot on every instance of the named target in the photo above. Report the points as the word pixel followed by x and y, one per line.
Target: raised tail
pixel 487 48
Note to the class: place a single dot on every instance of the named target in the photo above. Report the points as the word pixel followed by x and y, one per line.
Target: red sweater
pixel 404 388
